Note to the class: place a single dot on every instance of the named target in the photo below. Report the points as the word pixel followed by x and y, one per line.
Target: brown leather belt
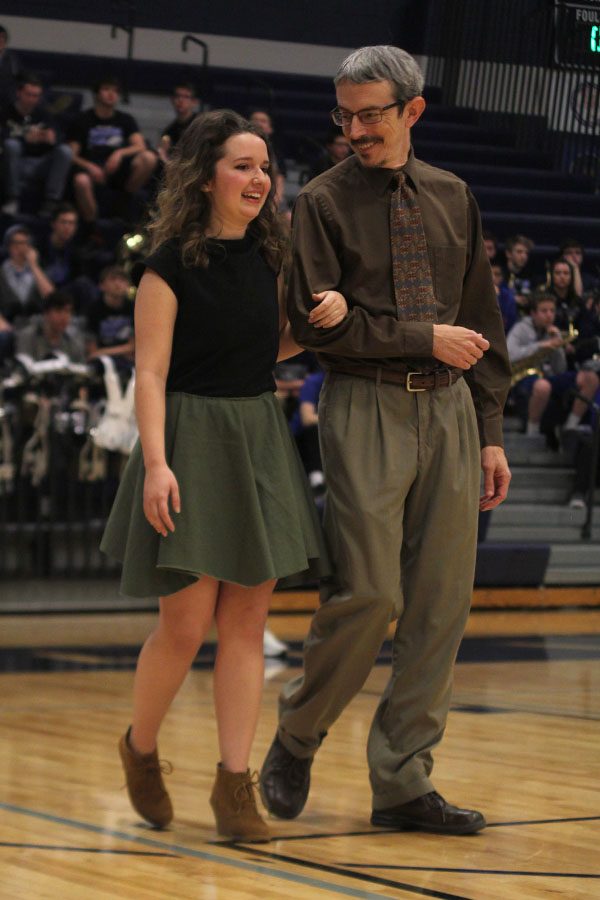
pixel 412 381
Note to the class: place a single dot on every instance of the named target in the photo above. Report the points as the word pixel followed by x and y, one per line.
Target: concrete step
pixel 522 450
pixel 574 577
pixel 553 514
pixel 540 533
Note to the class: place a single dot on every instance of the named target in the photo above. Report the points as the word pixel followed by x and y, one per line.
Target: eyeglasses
pixel 371 116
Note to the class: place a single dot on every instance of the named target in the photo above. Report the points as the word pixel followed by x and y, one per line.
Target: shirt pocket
pixel 447 273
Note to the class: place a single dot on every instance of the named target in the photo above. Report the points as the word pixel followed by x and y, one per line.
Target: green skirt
pixel 247 513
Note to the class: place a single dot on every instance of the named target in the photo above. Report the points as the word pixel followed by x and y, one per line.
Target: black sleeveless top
pixel 226 334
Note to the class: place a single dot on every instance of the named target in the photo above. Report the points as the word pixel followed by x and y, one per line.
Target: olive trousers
pixel 403 473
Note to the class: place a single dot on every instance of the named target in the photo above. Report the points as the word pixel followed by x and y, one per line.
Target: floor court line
pixel 460 871
pixel 180 850
pixel 62 848
pixel 338 870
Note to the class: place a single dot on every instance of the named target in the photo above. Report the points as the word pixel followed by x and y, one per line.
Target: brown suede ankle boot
pixel 234 804
pixel 145 786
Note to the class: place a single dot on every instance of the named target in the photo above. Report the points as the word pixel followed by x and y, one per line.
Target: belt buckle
pixel 413 390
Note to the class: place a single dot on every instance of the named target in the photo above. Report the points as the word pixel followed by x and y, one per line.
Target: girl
pixel 212 508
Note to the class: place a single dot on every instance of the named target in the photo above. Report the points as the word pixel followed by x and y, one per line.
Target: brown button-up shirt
pixel 341 241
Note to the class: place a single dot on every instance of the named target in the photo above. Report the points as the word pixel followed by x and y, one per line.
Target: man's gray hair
pixel 383 63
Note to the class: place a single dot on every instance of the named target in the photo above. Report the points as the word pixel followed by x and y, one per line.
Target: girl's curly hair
pixel 183 209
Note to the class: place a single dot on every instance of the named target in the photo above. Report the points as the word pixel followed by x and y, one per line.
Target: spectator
pixel 110 319
pixel 562 288
pixel 536 340
pixel 490 242
pixel 33 153
pixel 61 258
pixel 263 120
pixel 337 148
pixel 587 325
pixel 517 250
pixel 23 284
pixel 307 431
pixel 10 67
pixel 53 331
pixel 572 250
pixel 506 298
pixel 185 104
pixel 108 149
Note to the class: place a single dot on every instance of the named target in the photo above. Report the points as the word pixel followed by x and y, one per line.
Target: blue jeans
pixel 51 169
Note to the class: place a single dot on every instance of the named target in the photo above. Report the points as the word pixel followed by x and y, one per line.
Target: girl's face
pixel 240 185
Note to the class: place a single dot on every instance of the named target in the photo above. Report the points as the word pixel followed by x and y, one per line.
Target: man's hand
pixel 96 173
pixel 113 162
pixel 457 346
pixel 331 309
pixel 496 477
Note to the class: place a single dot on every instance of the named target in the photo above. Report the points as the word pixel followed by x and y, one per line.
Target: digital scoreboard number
pixel 577 34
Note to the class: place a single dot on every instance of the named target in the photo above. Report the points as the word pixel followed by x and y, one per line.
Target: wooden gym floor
pixel 522 744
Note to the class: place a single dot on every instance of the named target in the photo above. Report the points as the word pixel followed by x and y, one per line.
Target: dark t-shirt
pixel 176 129
pixel 15 126
pixel 226 333
pixel 98 138
pixel 110 327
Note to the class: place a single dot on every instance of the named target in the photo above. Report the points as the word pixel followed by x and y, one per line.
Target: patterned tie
pixel 413 286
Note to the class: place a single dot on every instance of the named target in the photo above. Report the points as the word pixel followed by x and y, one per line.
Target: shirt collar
pixel 383 180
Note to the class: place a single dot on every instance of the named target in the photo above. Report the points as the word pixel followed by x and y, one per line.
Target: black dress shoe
pixel 284 781
pixel 429 813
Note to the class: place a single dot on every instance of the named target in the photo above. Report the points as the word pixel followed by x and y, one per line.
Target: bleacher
pixel 518 190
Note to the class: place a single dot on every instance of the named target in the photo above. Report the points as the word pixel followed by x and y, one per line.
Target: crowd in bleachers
pixel 75 185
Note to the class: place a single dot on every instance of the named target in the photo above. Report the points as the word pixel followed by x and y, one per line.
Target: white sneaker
pixel 10 208
pixel 577 501
pixel 272 646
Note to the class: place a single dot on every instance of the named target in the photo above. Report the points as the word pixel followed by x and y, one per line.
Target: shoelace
pixel 244 792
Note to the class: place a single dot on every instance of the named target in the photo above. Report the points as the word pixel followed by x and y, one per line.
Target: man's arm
pixel 489 380
pixel 316 267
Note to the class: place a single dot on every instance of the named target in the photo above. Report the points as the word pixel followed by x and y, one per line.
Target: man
pixel 10 67
pixel 185 104
pixel 62 260
pixel 33 155
pixel 23 283
pixel 537 339
pixel 108 149
pixel 110 319
pixel 337 148
pixel 572 250
pixel 263 120
pixel 399 438
pixel 52 332
pixel 517 250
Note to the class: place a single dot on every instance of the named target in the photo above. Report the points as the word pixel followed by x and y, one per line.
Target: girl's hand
pixel 160 486
pixel 331 309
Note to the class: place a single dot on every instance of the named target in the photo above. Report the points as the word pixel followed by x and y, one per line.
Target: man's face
pixel 183 102
pixel 338 148
pixel 490 248
pixel 386 144
pixel 108 95
pixel 517 257
pixel 18 248
pixel 543 316
pixel 262 120
pixel 28 97
pixel 114 289
pixel 58 320
pixel 561 275
pixel 65 226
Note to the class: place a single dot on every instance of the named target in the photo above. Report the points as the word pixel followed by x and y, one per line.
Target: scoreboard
pixel 577 34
